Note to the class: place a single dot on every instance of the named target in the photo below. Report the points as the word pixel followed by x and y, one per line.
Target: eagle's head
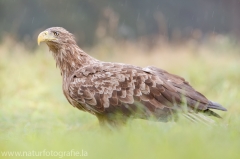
pixel 69 57
pixel 56 36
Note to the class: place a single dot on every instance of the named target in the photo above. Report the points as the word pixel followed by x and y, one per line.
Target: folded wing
pixel 108 88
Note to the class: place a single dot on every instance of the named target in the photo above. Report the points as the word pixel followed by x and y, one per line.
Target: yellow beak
pixel 45 36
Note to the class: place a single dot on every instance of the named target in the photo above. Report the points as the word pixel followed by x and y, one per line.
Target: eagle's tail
pixel 214 105
pixel 200 116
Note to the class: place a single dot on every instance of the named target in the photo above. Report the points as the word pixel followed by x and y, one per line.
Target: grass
pixel 35 116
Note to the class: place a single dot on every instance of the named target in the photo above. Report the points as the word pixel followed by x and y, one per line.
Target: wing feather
pixel 108 87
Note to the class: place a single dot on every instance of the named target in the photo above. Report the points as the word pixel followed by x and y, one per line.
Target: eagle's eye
pixel 56 33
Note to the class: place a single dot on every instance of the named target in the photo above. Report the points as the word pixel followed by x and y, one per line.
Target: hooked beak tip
pixel 43 36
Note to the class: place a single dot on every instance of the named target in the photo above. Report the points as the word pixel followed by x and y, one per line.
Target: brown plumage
pixel 115 92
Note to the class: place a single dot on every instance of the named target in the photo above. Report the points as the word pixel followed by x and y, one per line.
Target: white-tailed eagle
pixel 115 92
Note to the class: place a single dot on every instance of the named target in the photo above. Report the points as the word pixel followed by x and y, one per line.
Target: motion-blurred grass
pixel 34 114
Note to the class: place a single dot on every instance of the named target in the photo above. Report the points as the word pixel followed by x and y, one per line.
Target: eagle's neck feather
pixel 70 58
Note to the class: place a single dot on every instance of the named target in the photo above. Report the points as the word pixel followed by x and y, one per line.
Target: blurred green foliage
pixel 34 114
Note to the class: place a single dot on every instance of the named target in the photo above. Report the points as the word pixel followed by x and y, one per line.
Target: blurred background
pixel 196 39
pixel 90 20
